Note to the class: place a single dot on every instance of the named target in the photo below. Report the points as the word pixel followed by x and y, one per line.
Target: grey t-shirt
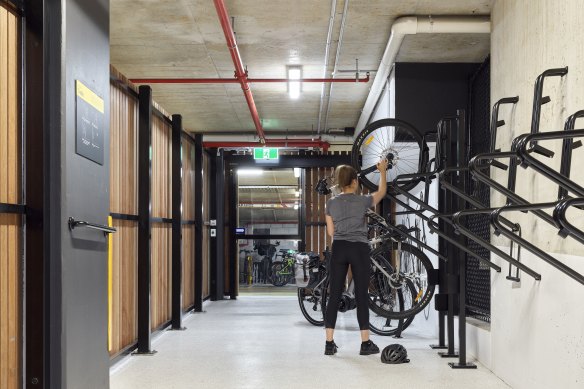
pixel 348 213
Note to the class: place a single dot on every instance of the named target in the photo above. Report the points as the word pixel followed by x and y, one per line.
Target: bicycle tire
pixel 279 279
pixel 315 318
pixel 386 329
pixel 382 288
pixel 373 327
pixel 398 141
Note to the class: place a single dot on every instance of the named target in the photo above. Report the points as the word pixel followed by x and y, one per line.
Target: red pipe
pixel 292 143
pixel 239 70
pixel 236 81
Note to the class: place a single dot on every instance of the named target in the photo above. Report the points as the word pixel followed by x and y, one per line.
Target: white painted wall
pixel 537 328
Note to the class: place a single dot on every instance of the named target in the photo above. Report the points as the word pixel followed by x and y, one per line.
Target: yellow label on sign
pixel 90 97
pixel 369 140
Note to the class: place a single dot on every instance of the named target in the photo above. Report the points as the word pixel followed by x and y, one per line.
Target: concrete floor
pixel 265 342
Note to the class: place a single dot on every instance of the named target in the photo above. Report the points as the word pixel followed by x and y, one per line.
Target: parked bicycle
pixel 313 297
pixel 282 271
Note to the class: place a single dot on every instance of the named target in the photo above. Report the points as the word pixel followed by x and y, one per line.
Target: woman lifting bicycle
pixel 347 225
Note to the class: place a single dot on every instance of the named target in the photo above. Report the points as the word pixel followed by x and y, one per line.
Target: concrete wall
pixel 537 331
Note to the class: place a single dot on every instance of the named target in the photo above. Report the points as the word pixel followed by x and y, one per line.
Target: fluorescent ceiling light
pixel 295 206
pixel 294 73
pixel 296 172
pixel 250 172
pixel 297 194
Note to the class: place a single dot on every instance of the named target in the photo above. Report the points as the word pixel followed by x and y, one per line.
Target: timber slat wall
pixel 10 192
pixel 188 230
pixel 317 239
pixel 123 200
pixel 161 232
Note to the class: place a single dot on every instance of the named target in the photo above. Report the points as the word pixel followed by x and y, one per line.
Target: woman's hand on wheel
pixel 382 165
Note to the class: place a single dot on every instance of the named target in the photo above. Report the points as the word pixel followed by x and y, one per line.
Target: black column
pixel 217 241
pixel 232 221
pixel 302 213
pixel 144 197
pixel 462 158
pixel 36 264
pixel 199 223
pixel 176 319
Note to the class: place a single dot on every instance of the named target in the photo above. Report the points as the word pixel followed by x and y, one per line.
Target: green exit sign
pixel 265 153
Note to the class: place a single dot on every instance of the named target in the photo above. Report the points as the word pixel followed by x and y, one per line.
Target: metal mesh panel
pixel 478 279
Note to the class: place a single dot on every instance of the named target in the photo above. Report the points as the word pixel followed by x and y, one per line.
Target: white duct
pixel 410 25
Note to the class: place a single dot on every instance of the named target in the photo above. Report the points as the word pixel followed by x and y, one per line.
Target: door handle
pixel 79 223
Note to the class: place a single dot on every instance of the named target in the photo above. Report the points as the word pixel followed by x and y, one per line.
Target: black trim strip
pixel 160 220
pixel 12 208
pixel 162 116
pixel 309 224
pixel 15 7
pixel 290 237
pixel 124 216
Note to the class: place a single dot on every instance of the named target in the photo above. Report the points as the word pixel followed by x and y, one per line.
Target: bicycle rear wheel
pixel 378 324
pixel 311 306
pixel 399 142
pixel 386 288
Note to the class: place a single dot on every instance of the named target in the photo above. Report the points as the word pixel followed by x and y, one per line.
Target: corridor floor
pixel 265 342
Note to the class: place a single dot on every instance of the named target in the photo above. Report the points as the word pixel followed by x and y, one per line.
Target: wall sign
pixel 90 123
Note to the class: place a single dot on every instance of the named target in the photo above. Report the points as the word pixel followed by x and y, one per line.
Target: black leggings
pixel 356 254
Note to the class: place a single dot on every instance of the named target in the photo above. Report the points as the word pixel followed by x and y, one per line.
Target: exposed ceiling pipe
pixel 290 143
pixel 327 47
pixel 410 25
pixel 338 54
pixel 237 81
pixel 240 73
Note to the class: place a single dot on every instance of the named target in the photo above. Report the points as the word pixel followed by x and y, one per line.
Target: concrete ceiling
pixel 183 38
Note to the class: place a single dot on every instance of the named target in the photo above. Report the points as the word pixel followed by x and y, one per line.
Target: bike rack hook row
pixel 495 215
pixel 559 215
pixel 469 234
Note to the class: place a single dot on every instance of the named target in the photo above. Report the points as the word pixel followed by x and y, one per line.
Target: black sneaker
pixel 330 348
pixel 368 348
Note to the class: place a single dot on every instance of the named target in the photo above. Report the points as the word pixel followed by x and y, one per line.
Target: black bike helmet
pixel 394 353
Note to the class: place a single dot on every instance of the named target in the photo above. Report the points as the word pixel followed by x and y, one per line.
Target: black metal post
pixel 176 318
pixel 452 280
pixel 144 198
pixel 199 189
pixel 232 223
pixel 220 227
pixel 302 224
pixel 212 229
pixel 36 271
pixel 461 183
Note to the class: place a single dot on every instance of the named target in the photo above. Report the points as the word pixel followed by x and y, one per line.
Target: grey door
pixel 81 259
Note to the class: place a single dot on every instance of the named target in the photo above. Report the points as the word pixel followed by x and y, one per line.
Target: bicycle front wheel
pixel 384 326
pixel 399 142
pixel 399 295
